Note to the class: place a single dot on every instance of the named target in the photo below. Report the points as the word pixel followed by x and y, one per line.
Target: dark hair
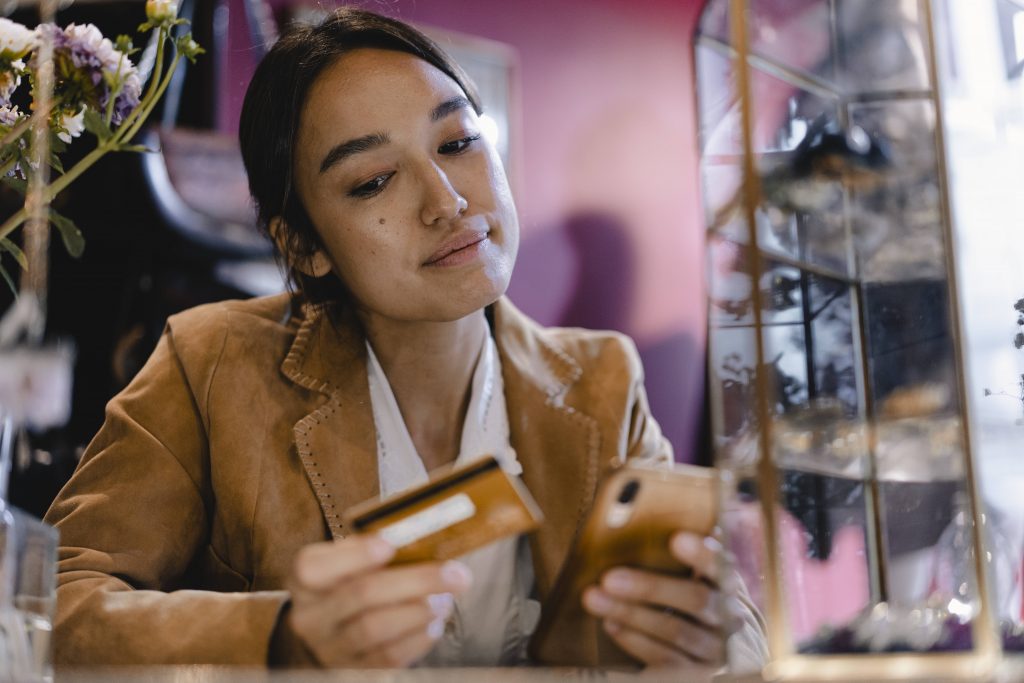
pixel 273 107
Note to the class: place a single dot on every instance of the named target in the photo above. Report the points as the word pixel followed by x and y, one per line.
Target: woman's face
pixel 409 199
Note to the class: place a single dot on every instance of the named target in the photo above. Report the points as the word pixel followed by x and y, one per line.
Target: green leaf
pixel 18 254
pixel 57 146
pixel 135 148
pixel 148 26
pixel 95 124
pixel 55 163
pixel 8 280
pixel 74 242
pixel 19 185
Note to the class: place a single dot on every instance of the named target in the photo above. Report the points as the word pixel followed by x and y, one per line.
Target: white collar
pixel 484 432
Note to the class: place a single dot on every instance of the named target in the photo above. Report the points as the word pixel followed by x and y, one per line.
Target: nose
pixel 441 201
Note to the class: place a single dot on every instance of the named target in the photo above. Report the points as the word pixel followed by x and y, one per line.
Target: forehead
pixel 369 90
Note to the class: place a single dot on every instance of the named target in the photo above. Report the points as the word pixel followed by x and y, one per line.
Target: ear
pixel 315 265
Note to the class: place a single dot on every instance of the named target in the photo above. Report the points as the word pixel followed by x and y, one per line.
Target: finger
pixel 698 643
pixel 320 566
pixel 373 590
pixel 702 553
pixel 646 649
pixel 692 598
pixel 404 651
pixel 375 629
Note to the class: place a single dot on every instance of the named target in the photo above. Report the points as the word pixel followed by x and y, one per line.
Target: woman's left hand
pixel 667 621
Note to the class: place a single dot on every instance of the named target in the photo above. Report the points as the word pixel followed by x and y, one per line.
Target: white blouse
pixel 492 622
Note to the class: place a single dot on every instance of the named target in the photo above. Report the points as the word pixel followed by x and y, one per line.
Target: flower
pixel 10 79
pixel 89 69
pixel 95 88
pixel 9 116
pixel 15 40
pixel 71 125
pixel 161 11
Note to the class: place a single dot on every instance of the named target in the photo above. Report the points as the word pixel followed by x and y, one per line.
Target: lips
pixel 458 242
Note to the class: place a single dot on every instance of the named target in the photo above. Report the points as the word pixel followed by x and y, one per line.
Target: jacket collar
pixel 555 442
pixel 336 442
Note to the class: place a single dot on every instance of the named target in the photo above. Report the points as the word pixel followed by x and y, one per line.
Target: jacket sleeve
pixel 747 646
pixel 134 522
pixel 646 442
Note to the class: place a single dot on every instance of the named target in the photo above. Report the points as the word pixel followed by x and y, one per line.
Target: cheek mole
pixel 381 221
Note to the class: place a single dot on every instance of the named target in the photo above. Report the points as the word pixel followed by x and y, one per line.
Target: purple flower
pixel 89 70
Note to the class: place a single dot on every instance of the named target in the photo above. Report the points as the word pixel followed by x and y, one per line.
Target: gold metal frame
pixel 786 664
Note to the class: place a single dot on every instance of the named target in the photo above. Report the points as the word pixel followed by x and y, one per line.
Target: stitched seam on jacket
pixel 305 453
pixel 555 401
pixel 290 367
pixel 593 447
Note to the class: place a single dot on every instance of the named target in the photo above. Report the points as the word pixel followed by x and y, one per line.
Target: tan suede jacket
pixel 247 434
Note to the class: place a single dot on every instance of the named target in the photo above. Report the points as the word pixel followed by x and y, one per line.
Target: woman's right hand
pixel 349 610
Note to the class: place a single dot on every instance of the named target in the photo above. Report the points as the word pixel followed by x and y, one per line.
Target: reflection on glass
pixel 897 222
pixel 858 369
pixel 881 46
pixel 714 21
pixel 795 35
pixel 718 116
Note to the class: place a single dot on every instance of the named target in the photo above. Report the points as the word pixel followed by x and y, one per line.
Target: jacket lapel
pixel 336 442
pixel 557 445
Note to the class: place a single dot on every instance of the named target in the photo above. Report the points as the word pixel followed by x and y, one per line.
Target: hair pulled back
pixel 272 109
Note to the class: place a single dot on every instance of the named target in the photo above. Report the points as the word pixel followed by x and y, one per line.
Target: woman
pixel 197 527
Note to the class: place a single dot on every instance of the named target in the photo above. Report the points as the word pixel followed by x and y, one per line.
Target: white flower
pixel 15 40
pixel 9 116
pixel 72 126
pixel 161 11
pixel 10 79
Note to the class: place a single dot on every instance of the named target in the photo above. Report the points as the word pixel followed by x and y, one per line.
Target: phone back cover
pixel 684 498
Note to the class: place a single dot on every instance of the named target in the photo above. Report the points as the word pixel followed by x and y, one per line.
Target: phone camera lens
pixel 628 492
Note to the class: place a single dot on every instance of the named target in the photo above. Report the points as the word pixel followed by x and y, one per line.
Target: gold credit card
pixel 458 511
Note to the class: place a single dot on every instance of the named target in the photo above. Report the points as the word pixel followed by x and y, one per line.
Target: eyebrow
pixel 353 146
pixel 448 106
pixel 364 144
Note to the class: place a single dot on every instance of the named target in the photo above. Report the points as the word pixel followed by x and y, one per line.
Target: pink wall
pixel 606 179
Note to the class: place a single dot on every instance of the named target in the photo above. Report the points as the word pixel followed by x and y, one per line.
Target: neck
pixel 430 369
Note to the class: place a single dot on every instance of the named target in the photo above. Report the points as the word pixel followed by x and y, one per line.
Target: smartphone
pixel 636 511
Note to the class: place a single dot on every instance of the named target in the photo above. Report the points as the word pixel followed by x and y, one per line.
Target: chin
pixel 469 299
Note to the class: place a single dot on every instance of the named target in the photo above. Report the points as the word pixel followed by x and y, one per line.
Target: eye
pixel 456 147
pixel 371 187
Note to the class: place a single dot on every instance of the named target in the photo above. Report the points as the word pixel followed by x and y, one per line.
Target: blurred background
pixel 594 108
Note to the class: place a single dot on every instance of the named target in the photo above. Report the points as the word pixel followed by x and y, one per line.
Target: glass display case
pixel 846 356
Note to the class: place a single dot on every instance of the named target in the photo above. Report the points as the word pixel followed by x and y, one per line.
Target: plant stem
pixel 6 168
pixel 158 67
pixel 138 123
pixel 23 125
pixel 124 133
pixel 56 186
pixel 114 92
pixel 14 221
